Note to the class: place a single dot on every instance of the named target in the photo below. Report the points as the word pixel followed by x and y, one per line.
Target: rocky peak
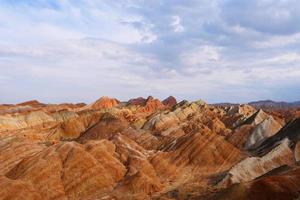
pixel 32 103
pixel 140 101
pixel 104 102
pixel 170 101
pixel 152 104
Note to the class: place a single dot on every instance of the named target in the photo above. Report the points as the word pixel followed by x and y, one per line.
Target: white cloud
pixel 278 41
pixel 199 57
pixel 176 24
pixel 287 58
pixel 131 50
pixel 71 21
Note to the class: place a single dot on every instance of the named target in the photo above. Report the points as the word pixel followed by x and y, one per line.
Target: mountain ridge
pixel 147 149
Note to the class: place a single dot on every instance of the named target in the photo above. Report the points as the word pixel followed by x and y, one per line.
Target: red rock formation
pixel 148 105
pixel 281 184
pixel 254 130
pixel 140 101
pixel 32 103
pixel 104 102
pixel 170 101
pixel 152 105
pixel 41 125
pixel 17 189
pixel 141 178
pixel 146 149
pixel 253 167
pixel 240 136
pixel 69 171
pixel 284 115
pixel 297 151
pixel 195 155
pixel 106 128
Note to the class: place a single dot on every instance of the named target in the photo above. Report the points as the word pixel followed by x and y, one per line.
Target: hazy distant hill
pixel 274 104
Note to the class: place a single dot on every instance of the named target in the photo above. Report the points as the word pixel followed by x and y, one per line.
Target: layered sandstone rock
pixel 105 128
pixel 32 103
pixel 290 131
pixel 70 170
pixel 267 128
pixel 152 105
pixel 20 121
pixel 41 125
pixel 165 120
pixel 17 190
pixel 13 152
pixel 103 103
pixel 254 130
pixel 244 109
pixel 35 105
pixel 144 149
pixel 141 178
pixel 202 153
pixel 297 152
pixel 140 101
pixel 237 115
pixel 142 137
pixel 281 184
pixel 253 167
pixel 240 136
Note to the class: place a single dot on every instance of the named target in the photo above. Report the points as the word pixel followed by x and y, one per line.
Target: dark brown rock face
pixel 170 101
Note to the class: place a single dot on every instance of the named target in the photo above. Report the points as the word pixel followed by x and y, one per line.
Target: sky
pixel 215 50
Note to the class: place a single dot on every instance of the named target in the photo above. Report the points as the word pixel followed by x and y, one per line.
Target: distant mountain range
pixel 265 104
pixel 274 104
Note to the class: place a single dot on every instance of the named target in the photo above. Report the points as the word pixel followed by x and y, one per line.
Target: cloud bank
pixel 216 50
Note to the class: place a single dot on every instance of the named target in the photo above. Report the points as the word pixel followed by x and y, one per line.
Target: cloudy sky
pixel 216 50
